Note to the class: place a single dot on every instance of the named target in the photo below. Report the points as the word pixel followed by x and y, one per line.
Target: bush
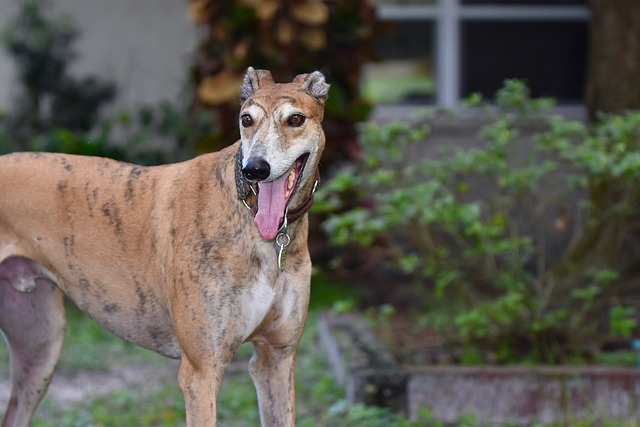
pixel 54 111
pixel 493 238
pixel 288 38
pixel 152 135
pixel 42 48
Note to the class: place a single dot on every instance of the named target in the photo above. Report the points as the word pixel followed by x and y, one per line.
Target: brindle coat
pixel 167 257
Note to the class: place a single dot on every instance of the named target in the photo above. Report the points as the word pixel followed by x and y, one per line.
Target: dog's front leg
pixel 208 344
pixel 272 371
pixel 200 382
pixel 273 362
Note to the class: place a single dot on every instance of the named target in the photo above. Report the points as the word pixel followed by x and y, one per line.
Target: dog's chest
pixel 259 299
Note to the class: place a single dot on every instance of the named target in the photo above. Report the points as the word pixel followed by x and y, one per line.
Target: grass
pixel 89 347
pixel 320 401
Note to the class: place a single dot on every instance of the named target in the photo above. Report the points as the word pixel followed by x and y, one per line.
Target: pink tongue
pixel 271 205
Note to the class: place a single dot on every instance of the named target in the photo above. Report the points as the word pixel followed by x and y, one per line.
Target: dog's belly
pixel 141 320
pixel 129 310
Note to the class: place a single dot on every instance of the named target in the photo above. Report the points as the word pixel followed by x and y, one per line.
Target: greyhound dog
pixel 189 259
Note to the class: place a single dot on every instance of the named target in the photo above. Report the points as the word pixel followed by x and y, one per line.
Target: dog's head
pixel 282 141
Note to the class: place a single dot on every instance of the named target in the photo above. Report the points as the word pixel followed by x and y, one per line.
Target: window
pixel 405 73
pixel 551 56
pixel 445 49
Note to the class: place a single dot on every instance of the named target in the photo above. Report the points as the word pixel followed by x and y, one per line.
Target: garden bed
pixel 490 394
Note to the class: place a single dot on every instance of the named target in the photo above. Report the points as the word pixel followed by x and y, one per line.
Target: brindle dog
pixel 189 259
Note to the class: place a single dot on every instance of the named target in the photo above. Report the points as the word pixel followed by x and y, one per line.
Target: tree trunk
pixel 613 81
pixel 611 235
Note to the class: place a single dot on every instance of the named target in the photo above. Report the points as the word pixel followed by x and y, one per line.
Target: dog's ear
pixel 253 80
pixel 314 84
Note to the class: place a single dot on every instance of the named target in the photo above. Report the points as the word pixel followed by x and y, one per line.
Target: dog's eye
pixel 296 120
pixel 246 120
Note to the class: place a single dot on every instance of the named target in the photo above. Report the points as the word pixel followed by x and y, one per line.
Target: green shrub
pixel 152 135
pixel 55 111
pixel 42 48
pixel 513 248
pixel 288 37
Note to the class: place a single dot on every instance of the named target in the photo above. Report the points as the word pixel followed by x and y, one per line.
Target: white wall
pixel 7 9
pixel 142 45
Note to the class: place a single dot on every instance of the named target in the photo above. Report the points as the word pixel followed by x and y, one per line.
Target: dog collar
pixel 242 186
pixel 244 189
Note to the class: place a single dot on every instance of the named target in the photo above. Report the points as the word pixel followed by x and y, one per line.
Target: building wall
pixel 142 45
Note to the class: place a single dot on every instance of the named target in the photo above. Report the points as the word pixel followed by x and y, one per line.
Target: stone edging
pixel 361 363
pixel 493 394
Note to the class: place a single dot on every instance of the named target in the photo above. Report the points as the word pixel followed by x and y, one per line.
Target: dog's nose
pixel 256 170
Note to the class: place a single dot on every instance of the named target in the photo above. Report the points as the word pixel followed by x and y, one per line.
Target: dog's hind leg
pixel 33 321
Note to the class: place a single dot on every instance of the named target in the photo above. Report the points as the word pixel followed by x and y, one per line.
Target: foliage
pixel 152 135
pixel 56 112
pixel 42 49
pixel 288 37
pixel 489 234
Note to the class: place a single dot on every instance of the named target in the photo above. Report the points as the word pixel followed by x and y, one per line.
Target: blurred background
pixel 145 48
pixel 479 202
pixel 376 53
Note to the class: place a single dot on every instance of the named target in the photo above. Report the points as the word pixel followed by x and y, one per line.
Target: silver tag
pixel 282 240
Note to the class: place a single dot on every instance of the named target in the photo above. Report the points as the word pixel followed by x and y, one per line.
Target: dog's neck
pixel 244 191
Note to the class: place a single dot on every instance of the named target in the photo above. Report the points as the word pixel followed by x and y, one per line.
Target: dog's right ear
pixel 253 80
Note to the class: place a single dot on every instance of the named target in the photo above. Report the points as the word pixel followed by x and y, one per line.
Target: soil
pixel 67 389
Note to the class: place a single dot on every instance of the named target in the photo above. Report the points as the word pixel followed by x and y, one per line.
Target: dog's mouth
pixel 274 197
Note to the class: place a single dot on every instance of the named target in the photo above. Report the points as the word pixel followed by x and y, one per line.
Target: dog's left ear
pixel 253 80
pixel 314 84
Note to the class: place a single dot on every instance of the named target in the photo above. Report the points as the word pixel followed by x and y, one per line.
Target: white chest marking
pixel 259 300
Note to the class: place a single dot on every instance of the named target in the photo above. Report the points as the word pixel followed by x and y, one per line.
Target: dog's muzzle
pixel 273 197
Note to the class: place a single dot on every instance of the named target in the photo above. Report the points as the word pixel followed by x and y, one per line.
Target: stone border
pixel 526 395
pixel 493 394
pixel 361 363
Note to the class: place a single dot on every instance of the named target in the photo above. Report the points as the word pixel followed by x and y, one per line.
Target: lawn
pixel 320 401
pixel 161 403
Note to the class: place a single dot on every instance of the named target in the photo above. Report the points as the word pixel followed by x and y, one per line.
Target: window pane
pixel 527 2
pixel 404 73
pixel 551 56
